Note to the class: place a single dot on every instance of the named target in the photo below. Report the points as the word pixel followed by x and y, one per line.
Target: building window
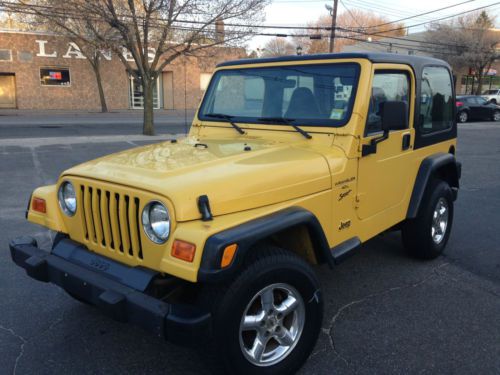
pixel 54 77
pixel 5 55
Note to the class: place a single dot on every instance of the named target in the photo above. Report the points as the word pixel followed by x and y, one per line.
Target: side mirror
pixel 394 115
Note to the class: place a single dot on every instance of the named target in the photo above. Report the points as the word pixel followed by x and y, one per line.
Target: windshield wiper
pixel 286 121
pixel 229 119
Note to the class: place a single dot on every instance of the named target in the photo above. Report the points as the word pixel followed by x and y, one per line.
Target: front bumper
pixel 103 283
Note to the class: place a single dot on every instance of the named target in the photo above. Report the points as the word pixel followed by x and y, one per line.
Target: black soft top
pixel 376 57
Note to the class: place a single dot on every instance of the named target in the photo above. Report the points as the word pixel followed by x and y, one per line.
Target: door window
pixel 387 86
pixel 481 101
pixel 436 107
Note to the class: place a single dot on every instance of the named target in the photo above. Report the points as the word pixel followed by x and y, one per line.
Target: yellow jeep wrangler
pixel 290 162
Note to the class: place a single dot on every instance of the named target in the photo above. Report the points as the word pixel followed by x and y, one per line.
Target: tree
pixel 352 26
pixel 150 34
pixel 278 47
pixel 469 42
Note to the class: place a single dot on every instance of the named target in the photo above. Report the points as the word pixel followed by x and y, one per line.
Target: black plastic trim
pixel 181 324
pixel 204 208
pixel 428 167
pixel 345 250
pixel 137 278
pixel 28 207
pixel 248 234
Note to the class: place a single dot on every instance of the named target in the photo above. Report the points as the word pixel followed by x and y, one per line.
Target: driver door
pixel 384 176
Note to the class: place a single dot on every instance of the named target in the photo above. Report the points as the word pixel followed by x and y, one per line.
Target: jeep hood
pixel 235 175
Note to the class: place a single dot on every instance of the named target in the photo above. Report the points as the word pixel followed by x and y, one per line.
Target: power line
pixel 388 11
pixel 350 13
pixel 27 10
pixel 421 14
pixel 406 39
pixel 437 19
pixel 262 26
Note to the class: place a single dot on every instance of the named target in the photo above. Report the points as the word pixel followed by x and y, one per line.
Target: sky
pixel 300 12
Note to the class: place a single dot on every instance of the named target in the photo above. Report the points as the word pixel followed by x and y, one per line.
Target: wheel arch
pixel 441 165
pixel 294 229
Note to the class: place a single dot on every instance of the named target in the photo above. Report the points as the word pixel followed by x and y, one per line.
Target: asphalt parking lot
pixel 385 313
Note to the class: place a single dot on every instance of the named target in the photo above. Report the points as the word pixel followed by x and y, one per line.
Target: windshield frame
pixel 325 123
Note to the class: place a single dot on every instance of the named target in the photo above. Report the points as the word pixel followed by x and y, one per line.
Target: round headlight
pixel 67 198
pixel 156 222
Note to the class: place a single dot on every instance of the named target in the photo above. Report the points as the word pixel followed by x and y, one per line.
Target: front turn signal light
pixel 183 250
pixel 38 204
pixel 228 255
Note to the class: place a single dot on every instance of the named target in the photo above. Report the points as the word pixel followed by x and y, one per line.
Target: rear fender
pixel 441 165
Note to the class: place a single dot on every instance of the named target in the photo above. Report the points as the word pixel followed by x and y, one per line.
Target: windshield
pixel 317 95
pixel 490 92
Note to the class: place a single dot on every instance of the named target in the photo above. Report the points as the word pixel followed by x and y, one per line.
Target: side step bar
pixel 344 250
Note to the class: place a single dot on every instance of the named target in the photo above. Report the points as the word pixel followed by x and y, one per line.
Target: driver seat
pixel 302 104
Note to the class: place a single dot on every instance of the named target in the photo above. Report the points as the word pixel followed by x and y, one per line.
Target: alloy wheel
pixel 463 117
pixel 272 324
pixel 440 221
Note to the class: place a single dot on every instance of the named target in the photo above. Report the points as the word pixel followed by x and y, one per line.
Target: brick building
pixel 47 71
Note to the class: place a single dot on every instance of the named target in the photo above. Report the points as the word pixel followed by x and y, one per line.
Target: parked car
pixel 492 95
pixel 476 108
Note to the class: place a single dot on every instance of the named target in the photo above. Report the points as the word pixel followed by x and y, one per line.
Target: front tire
pixel 268 319
pixel 426 236
pixel 496 116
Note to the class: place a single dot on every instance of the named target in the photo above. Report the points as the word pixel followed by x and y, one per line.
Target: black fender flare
pixel 444 163
pixel 248 234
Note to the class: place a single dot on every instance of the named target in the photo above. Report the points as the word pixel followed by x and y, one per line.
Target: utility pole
pixel 333 13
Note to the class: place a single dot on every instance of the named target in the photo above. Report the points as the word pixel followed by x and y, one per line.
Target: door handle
pixel 406 141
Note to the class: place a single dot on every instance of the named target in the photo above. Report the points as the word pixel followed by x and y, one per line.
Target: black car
pixel 472 107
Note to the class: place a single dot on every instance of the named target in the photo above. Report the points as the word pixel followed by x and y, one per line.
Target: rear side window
pixel 436 105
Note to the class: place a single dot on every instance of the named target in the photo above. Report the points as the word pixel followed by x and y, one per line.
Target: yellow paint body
pixel 350 195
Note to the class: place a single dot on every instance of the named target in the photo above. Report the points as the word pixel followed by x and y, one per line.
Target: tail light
pixel 460 104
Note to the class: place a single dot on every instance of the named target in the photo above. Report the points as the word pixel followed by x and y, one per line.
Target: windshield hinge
pixel 204 208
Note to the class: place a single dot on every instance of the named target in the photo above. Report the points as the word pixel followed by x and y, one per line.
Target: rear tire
pixel 426 236
pixel 463 117
pixel 268 319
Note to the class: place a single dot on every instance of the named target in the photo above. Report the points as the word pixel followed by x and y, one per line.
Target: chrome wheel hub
pixel 463 117
pixel 440 221
pixel 272 324
pixel 496 116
